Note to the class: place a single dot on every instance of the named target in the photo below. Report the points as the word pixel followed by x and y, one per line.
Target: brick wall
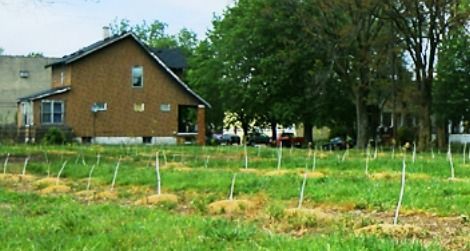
pixel 105 76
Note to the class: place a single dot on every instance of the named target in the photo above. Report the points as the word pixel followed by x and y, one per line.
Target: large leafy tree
pixel 422 25
pixel 451 90
pixel 155 35
pixel 357 38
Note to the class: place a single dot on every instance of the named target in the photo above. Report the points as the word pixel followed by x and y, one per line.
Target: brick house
pixel 117 90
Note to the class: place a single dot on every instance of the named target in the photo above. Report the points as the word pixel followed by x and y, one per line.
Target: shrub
pixel 405 134
pixel 54 136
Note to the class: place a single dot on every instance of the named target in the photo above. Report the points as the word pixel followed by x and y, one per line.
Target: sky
pixel 59 27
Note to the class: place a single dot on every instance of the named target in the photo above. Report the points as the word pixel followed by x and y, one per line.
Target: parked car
pixel 288 139
pixel 229 139
pixel 257 138
pixel 338 143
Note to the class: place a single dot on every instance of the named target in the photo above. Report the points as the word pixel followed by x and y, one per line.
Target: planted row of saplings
pixel 230 205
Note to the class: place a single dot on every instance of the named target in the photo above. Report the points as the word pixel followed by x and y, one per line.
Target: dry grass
pixel 230 207
pixel 276 173
pixel 313 174
pixel 158 199
pixel 106 195
pixel 45 182
pixel 55 189
pixel 395 231
pixel 316 213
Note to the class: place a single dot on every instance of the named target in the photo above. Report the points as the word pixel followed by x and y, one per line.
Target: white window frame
pixel 99 107
pixel 27 113
pixel 139 107
pixel 165 107
pixel 52 102
pixel 142 76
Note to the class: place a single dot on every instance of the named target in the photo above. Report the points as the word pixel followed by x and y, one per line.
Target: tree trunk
pixel 442 137
pixel 424 117
pixel 245 126
pixel 308 135
pixel 274 131
pixel 362 119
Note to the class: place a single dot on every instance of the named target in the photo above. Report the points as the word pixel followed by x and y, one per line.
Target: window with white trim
pixel 137 76
pixel 99 107
pixel 52 112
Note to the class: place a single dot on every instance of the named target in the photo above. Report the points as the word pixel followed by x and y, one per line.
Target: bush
pixel 54 136
pixel 405 134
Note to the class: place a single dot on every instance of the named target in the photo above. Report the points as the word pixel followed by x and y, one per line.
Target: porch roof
pixel 45 94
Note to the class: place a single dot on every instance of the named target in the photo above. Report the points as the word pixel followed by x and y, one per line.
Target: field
pixel 343 207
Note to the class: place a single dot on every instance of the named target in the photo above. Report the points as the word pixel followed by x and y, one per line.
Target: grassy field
pixel 343 208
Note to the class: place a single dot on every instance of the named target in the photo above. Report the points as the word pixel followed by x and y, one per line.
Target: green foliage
pixel 406 134
pixel 54 136
pixel 451 89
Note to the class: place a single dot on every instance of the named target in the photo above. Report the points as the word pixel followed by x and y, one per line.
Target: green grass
pixel 31 222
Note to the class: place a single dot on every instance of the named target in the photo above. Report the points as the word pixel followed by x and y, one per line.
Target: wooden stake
pixel 157 172
pixel 246 155
pixel 232 186
pixel 89 177
pixel 25 165
pixel 301 197
pixel 279 156
pixel 60 172
pixel 402 191
pixel 451 161
pixel 464 152
pixel 5 164
pixel 414 152
pixel 115 173
pixel 206 163
pixel 314 164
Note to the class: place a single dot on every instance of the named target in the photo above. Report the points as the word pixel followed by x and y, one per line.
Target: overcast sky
pixel 63 26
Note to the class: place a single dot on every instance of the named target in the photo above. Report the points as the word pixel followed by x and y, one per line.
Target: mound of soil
pixel 22 178
pixel 248 170
pixel 397 175
pixel 86 194
pixel 390 230
pixel 230 206
pixel 158 199
pixel 313 174
pixel 5 177
pixel 106 195
pixel 46 182
pixel 318 214
pixel 55 189
pixel 276 173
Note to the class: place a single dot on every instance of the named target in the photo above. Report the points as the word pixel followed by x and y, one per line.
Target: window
pixel 52 112
pixel 139 107
pixel 24 74
pixel 62 78
pixel 165 107
pixel 99 107
pixel 137 76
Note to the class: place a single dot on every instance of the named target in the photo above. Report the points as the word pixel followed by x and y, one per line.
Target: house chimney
pixel 106 32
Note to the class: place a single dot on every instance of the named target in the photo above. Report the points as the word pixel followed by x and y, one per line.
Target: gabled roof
pixel 45 94
pixel 154 53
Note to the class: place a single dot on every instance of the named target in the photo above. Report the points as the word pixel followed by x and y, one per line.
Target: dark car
pixel 229 139
pixel 338 143
pixel 257 138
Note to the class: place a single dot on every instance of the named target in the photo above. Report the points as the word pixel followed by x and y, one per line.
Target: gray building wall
pixel 13 86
